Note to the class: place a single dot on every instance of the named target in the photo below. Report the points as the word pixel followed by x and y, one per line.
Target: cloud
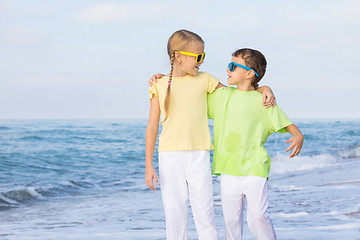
pixel 345 11
pixel 20 35
pixel 113 12
pixel 169 11
pixel 4 6
pixel 44 80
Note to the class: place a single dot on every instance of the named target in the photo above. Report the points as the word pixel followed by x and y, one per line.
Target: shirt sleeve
pixel 215 101
pixel 153 91
pixel 212 82
pixel 211 105
pixel 278 119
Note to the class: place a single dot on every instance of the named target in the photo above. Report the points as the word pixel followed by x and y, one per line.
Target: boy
pixel 241 128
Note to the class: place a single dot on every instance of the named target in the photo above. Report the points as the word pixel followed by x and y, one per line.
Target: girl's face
pixel 188 64
pixel 239 75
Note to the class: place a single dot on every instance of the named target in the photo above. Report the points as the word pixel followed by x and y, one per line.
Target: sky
pixel 93 59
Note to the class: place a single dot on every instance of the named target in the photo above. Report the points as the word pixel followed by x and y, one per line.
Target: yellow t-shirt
pixel 186 128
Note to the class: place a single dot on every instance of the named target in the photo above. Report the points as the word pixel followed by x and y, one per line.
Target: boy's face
pixel 239 75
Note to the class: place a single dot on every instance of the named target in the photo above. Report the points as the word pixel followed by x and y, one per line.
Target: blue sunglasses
pixel 232 68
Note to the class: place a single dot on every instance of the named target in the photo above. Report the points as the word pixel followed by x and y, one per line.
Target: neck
pixel 177 72
pixel 246 87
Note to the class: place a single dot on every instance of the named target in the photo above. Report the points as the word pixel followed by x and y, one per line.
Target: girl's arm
pixel 154 78
pixel 268 95
pixel 151 135
pixel 297 140
pixel 269 99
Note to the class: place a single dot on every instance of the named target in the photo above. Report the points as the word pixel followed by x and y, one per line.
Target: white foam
pixel 281 163
pixel 217 204
pixel 285 188
pixel 338 227
pixel 291 215
pixel 350 153
pixel 334 213
pixel 34 193
pixel 9 200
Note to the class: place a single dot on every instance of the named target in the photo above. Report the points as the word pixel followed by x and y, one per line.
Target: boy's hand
pixel 154 79
pixel 269 99
pixel 297 142
pixel 150 175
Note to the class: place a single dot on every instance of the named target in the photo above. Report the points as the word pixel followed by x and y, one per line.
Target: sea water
pixel 84 180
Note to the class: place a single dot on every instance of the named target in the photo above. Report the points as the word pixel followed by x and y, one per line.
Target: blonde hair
pixel 180 40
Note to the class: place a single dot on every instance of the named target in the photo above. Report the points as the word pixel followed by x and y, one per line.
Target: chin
pixel 195 72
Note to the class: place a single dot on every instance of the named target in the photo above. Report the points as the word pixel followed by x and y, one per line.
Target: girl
pixel 184 144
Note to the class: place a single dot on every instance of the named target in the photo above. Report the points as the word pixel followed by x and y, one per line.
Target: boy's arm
pixel 297 140
pixel 157 76
pixel 216 101
pixel 211 101
pixel 151 135
pixel 269 99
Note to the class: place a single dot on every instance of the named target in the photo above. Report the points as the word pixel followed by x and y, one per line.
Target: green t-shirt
pixel 241 127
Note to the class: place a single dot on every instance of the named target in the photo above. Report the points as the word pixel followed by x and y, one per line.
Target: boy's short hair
pixel 255 60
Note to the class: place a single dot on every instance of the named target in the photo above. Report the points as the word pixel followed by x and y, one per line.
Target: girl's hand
pixel 150 175
pixel 154 79
pixel 269 99
pixel 297 142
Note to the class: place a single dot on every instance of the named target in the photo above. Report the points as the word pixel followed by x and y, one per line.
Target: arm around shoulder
pixel 269 99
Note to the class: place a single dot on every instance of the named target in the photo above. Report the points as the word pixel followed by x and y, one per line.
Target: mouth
pixel 197 67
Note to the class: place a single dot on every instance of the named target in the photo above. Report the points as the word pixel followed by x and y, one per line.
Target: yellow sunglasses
pixel 199 57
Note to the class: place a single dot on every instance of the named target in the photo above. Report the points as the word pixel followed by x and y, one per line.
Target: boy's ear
pixel 250 74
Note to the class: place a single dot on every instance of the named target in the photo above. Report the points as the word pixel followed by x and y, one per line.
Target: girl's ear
pixel 178 57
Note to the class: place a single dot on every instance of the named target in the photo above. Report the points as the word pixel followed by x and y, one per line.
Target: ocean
pixel 84 180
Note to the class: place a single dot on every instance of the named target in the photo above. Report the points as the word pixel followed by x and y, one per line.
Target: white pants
pixel 234 191
pixel 184 174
